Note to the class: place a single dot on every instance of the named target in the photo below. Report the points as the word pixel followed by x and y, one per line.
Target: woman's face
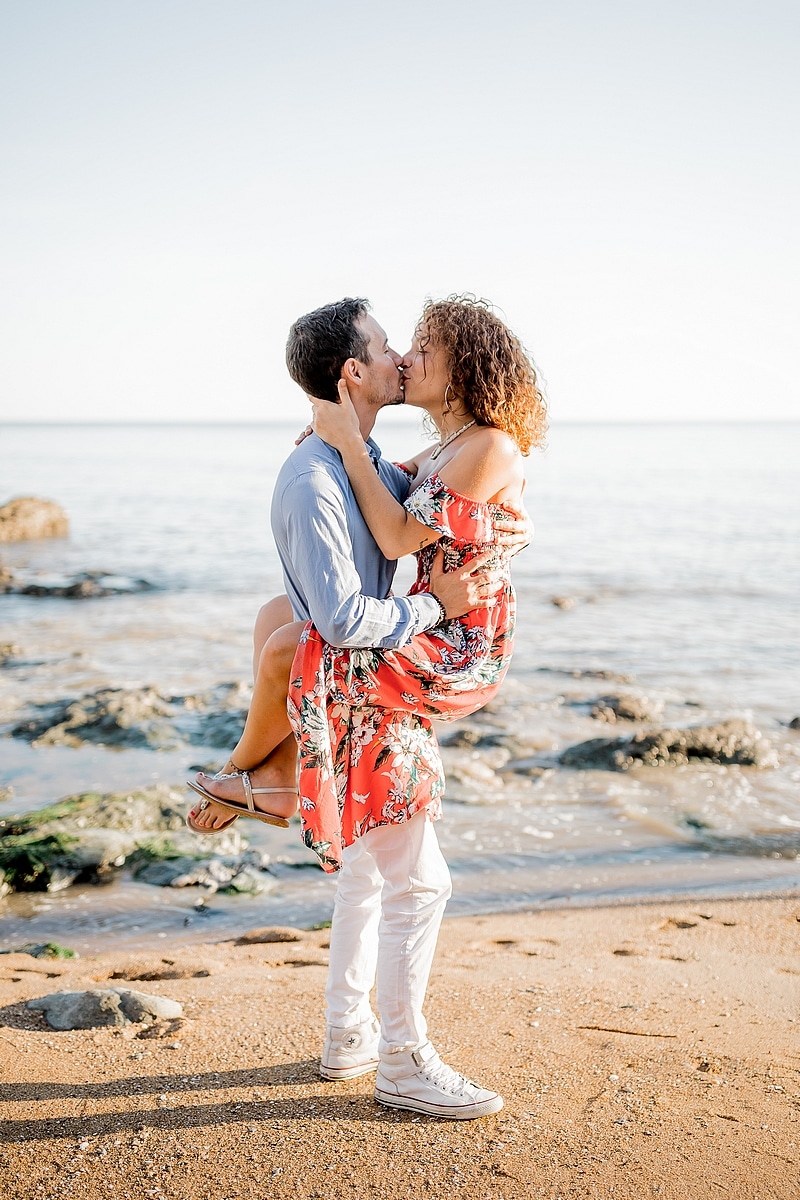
pixel 426 373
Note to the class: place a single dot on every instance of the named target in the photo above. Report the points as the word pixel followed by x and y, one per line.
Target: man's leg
pixel 351 1041
pixel 416 889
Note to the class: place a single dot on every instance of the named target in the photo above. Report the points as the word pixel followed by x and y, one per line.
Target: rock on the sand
pixel 27 517
pixel 272 933
pixel 728 742
pixel 49 950
pixel 104 1006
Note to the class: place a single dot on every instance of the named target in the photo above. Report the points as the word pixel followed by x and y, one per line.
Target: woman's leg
pixel 271 616
pixel 266 748
pixel 267 722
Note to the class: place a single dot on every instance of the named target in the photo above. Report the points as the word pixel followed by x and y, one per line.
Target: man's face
pixel 383 379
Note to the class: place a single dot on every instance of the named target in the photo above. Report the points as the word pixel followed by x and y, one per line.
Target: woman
pixel 472 378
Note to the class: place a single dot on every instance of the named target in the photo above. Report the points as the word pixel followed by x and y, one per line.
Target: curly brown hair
pixel 491 374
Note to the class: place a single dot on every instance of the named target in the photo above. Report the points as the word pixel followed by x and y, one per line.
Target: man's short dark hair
pixel 320 343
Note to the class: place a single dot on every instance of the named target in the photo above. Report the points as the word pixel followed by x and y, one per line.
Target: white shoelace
pixel 444 1077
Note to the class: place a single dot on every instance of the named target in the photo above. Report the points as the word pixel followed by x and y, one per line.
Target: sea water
pixel 666 555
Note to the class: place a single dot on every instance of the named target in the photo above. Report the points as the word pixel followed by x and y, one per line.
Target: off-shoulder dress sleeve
pixel 430 504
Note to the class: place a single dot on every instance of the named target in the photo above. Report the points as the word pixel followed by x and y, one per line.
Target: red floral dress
pixel 368 752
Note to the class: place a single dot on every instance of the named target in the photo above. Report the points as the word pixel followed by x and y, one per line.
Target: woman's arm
pixel 395 530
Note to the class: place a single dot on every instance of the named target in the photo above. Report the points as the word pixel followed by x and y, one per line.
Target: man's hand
pixel 514 534
pixel 474 586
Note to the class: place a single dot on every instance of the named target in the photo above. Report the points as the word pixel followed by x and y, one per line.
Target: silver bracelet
pixel 442 610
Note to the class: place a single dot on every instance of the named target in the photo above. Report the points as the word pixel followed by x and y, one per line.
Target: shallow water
pixel 676 544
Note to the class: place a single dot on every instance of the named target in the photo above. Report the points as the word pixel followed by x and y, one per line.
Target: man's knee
pixel 419 893
pixel 440 888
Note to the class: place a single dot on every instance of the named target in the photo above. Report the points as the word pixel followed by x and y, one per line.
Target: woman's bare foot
pixel 278 804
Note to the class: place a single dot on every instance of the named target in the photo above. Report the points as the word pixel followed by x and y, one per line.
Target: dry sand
pixel 642 1051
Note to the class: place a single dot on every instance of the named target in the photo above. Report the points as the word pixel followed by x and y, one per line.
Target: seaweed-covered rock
pixel 477 738
pixel 140 717
pixel 587 673
pixel 221 728
pixel 111 716
pixel 727 742
pixel 242 874
pixel 104 1006
pixel 625 707
pixel 28 517
pixel 471 780
pixel 248 881
pixel 88 838
pixel 8 650
pixel 164 872
pixel 86 585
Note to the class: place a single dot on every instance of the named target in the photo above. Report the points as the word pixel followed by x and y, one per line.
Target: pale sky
pixel 180 179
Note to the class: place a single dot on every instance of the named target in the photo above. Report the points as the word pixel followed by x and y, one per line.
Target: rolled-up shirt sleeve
pixel 320 552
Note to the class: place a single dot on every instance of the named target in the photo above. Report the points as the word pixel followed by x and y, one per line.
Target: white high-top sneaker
pixel 350 1052
pixel 419 1080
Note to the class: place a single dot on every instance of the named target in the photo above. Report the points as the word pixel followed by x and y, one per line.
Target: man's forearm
pixel 363 621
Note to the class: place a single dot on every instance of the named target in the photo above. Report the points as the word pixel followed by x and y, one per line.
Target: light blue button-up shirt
pixel 335 574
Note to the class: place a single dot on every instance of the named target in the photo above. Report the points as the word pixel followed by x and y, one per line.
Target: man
pixel 394 882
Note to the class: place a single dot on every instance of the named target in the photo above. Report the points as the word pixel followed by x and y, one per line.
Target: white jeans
pixel 393 888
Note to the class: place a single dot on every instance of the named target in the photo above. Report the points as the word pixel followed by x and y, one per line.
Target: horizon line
pixel 215 424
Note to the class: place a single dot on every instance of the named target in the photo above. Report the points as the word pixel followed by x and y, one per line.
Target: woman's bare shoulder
pixel 497 441
pixel 488 464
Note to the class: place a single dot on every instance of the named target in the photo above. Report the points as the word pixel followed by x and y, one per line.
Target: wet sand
pixel 644 1051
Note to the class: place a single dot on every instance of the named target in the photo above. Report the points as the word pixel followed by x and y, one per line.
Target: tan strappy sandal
pixel 241 810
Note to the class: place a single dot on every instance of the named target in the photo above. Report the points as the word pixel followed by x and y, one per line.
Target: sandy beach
pixel 642 1051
